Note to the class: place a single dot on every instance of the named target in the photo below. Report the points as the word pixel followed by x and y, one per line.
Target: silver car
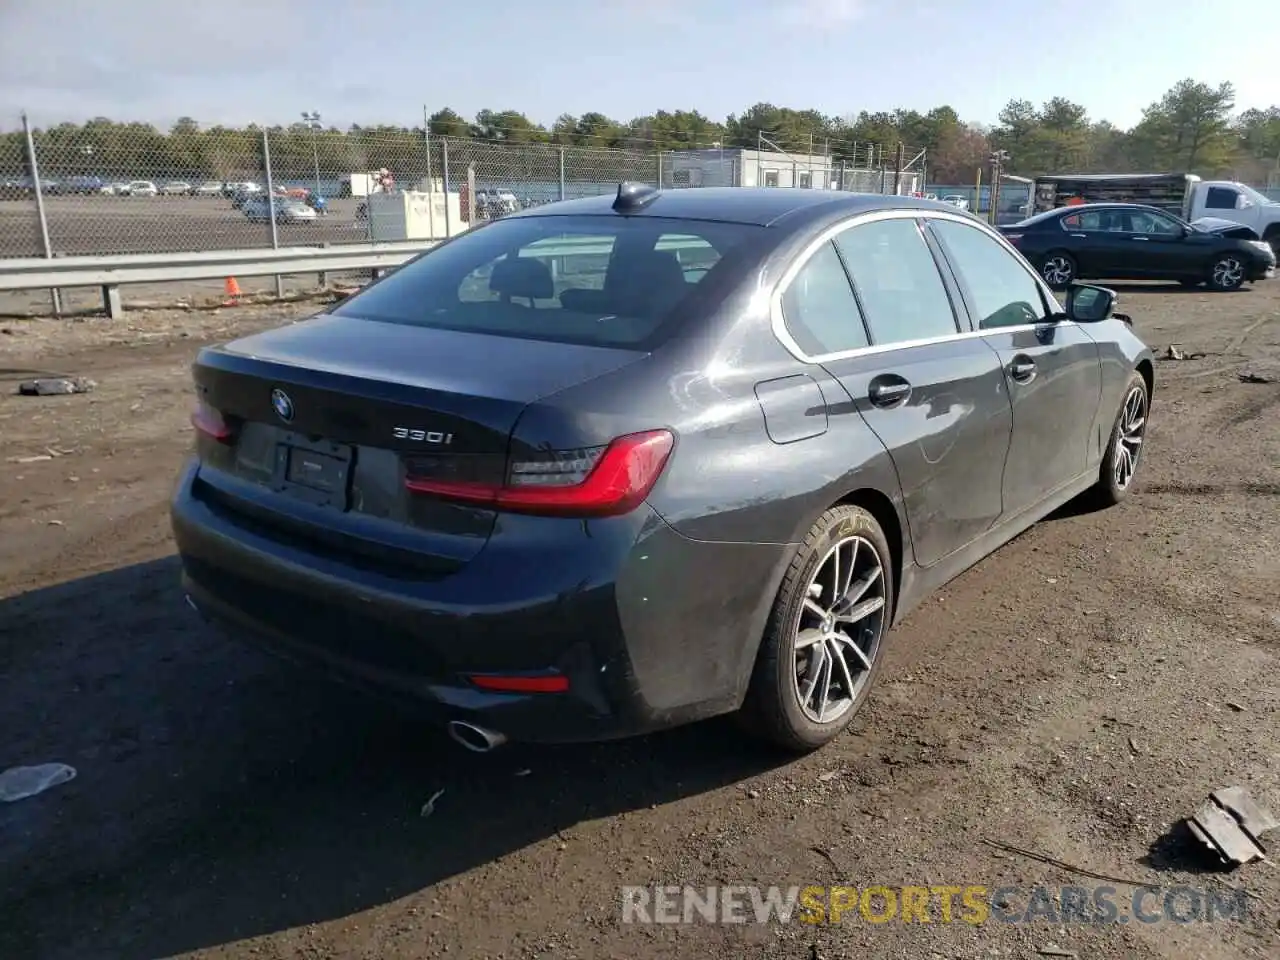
pixel 287 211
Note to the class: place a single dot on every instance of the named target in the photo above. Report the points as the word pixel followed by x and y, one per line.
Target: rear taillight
pixel 521 682
pixel 591 482
pixel 1013 238
pixel 210 422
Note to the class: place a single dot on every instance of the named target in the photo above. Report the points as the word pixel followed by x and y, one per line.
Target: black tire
pixel 1227 273
pixel 1273 237
pixel 1109 489
pixel 1059 269
pixel 773 708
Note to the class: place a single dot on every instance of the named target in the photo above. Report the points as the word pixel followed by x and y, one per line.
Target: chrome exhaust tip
pixel 476 739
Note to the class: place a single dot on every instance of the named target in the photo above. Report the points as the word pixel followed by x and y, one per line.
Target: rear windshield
pixel 605 281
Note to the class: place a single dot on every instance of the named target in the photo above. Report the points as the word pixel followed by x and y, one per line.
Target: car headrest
pixel 522 277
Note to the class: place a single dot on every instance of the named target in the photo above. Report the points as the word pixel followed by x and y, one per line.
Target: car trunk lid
pixel 326 418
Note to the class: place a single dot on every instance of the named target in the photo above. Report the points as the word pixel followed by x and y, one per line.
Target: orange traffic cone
pixel 232 289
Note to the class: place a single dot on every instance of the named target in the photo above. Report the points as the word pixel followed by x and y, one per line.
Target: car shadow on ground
pixel 222 794
pixel 1123 287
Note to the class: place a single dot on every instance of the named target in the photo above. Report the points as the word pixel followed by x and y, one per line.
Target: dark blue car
pixel 611 465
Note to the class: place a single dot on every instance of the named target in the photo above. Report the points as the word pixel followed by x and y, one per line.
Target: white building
pixel 740 167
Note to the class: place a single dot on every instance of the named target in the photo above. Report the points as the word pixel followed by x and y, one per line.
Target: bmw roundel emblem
pixel 282 405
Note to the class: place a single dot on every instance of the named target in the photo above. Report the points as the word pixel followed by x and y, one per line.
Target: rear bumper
pixel 650 628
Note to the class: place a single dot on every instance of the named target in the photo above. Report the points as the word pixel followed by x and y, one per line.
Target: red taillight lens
pixel 522 683
pixel 210 422
pixel 592 482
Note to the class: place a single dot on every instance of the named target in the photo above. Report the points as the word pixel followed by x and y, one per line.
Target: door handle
pixel 1083 236
pixel 1022 369
pixel 1139 238
pixel 888 394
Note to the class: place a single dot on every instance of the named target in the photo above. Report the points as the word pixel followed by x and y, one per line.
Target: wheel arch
pixel 1148 371
pixel 882 508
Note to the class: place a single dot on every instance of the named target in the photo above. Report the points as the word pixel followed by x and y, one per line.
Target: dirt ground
pixel 1074 695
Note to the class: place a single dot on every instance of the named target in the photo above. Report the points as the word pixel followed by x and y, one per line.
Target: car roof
pixel 760 206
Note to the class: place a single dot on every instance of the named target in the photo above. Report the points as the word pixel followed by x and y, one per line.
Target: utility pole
pixel 312 120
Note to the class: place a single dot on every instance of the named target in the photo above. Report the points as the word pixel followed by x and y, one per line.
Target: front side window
pixel 1155 224
pixel 897 281
pixel 1001 290
pixel 605 281
pixel 1220 198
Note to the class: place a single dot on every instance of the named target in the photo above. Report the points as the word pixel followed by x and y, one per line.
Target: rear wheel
pixel 1058 269
pixel 821 649
pixel 1124 452
pixel 1227 273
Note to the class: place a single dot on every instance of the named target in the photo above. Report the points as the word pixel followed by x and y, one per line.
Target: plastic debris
pixel 54 386
pixel 429 807
pixel 1231 824
pixel 18 783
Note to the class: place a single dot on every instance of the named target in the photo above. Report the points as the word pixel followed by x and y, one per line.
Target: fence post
pixel 38 189
pixel 897 168
pixel 271 204
pixel 842 177
pixel 431 186
pixel 471 194
pixel 659 158
pixel 444 173
pixel 563 193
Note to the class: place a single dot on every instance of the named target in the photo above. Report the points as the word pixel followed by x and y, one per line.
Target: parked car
pixel 286 210
pixel 548 481
pixel 177 188
pixel 210 188
pixel 140 188
pixel 240 189
pixel 1127 241
pixel 492 204
pixel 957 201
pixel 81 186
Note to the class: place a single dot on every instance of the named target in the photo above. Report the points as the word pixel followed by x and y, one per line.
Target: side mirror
pixel 1090 304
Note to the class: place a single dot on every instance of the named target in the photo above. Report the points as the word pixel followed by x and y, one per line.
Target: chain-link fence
pixel 114 188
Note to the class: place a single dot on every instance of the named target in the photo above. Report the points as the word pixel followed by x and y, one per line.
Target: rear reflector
pixel 591 482
pixel 210 422
pixel 522 683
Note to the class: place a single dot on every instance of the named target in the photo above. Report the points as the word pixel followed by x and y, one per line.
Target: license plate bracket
pixel 315 471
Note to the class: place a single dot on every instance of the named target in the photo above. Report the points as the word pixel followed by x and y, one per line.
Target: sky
pixel 382 61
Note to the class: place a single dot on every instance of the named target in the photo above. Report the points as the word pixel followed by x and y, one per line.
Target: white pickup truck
pixel 1183 194
pixel 1239 203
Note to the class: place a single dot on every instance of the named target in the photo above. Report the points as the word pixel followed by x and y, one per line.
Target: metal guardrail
pixel 110 273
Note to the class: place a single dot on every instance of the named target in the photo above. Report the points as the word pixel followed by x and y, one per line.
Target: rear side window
pixel 897 280
pixel 604 281
pixel 819 309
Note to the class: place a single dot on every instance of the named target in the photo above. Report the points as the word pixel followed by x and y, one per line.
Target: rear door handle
pixel 888 391
pixel 1022 369
pixel 1140 238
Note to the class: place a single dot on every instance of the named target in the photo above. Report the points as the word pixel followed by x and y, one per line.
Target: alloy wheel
pixel 839 629
pixel 1133 428
pixel 1228 273
pixel 1057 271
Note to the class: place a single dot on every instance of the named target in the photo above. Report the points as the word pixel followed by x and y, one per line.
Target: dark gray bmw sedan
pixel 617 464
